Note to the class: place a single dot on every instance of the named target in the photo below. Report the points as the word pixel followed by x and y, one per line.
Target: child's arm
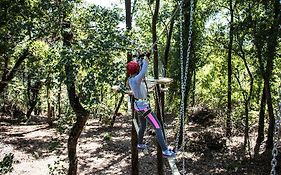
pixel 143 70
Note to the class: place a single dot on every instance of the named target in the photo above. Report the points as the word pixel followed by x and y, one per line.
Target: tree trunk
pixel 117 109
pixel 128 14
pixel 193 88
pixel 128 9
pixel 168 44
pixel 10 75
pixel 260 137
pixel 229 71
pixel 81 118
pixel 134 160
pixel 6 64
pixel 134 142
pixel 49 102
pixel 59 101
pixel 160 164
pixel 81 113
pixel 29 88
pixel 247 95
pixel 187 16
pixel 34 99
pixel 272 43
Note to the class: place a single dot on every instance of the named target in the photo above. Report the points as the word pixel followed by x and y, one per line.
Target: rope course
pixel 184 72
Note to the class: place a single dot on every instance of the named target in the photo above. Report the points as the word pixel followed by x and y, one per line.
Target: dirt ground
pixel 40 150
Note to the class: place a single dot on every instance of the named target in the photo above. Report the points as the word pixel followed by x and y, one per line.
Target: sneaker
pixel 142 146
pixel 168 153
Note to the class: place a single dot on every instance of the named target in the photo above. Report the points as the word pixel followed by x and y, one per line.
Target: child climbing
pixel 136 72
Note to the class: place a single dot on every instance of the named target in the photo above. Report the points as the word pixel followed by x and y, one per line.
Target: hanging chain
pixel 181 64
pixel 276 136
pixel 184 71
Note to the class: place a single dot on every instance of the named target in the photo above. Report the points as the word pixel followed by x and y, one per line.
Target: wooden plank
pixel 173 166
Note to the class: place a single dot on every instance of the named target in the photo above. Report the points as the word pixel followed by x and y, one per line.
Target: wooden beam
pixel 173 166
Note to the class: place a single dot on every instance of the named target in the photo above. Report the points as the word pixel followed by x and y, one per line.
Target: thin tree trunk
pixel 6 63
pixel 193 89
pixel 247 96
pixel 229 72
pixel 165 61
pixel 272 43
pixel 29 88
pixel 160 164
pixel 34 92
pixel 168 44
pixel 134 156
pixel 269 141
pixel 81 113
pixel 59 101
pixel 260 137
pixel 128 27
pixel 134 142
pixel 81 118
pixel 116 110
pixel 49 103
pixel 128 14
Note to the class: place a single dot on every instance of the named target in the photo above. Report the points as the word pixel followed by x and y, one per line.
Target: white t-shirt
pixel 137 84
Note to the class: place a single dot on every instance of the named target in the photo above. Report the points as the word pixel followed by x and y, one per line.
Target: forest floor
pixel 40 150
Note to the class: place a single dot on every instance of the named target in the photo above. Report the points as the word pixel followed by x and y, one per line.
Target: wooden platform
pixel 173 166
pixel 151 83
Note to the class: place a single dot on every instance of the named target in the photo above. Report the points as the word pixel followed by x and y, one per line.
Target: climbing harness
pixel 276 136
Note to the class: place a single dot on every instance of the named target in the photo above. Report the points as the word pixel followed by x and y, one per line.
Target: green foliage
pixel 55 144
pixel 64 123
pixel 57 168
pixel 6 165
pixel 107 136
pixel 97 62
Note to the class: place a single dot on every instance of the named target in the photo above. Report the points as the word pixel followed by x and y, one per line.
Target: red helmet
pixel 132 67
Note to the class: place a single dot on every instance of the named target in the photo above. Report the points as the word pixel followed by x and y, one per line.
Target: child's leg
pixel 142 128
pixel 158 130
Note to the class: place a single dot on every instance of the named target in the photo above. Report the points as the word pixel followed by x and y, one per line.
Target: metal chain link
pixel 184 70
pixel 276 136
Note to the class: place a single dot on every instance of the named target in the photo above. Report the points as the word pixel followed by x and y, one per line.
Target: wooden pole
pixel 134 142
